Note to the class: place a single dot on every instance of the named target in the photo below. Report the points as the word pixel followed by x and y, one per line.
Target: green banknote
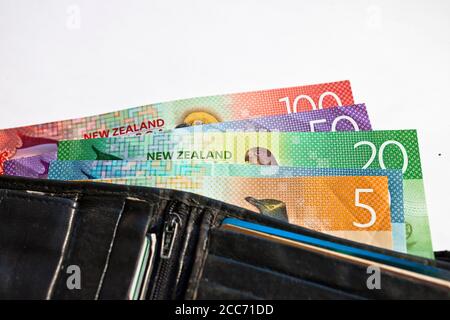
pixel 396 149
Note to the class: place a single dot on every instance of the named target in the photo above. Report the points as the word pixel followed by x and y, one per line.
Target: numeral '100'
pixel 294 107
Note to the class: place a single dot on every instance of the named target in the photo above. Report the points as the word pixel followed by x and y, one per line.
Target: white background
pixel 63 59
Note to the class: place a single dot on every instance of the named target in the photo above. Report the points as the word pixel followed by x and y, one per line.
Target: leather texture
pixel 47 226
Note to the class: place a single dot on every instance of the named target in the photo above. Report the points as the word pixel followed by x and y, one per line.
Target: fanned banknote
pixel 396 149
pixel 356 207
pixel 350 118
pixel 345 118
pixel 30 167
pixel 108 169
pixel 42 138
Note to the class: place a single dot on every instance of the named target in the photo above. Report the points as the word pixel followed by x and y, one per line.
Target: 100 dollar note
pixel 356 207
pixel 107 169
pixel 396 149
pixel 42 138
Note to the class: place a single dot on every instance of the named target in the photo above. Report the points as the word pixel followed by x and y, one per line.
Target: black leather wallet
pixel 77 240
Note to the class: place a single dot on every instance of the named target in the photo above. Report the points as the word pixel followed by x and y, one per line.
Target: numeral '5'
pixel 373 215
pixel 381 152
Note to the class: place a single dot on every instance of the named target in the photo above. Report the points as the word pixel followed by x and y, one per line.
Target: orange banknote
pixel 352 207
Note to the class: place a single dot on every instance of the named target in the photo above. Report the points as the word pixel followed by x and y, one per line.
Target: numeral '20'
pixel 381 152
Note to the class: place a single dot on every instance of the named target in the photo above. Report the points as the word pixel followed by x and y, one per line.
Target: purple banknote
pixel 31 167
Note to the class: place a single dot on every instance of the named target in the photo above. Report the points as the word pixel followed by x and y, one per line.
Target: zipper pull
pixel 169 235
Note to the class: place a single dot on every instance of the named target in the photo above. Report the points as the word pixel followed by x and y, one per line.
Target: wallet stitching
pixel 110 249
pixel 194 213
pixel 91 190
pixel 220 211
pixel 95 190
pixel 57 189
pixel 56 203
pixel 63 254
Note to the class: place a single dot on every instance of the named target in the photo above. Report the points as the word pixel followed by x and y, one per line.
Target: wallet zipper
pixel 171 232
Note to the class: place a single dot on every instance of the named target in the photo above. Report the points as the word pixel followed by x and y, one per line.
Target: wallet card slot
pixel 34 233
pixel 126 250
pixel 90 246
pixel 309 265
pixel 75 247
pixel 280 258
pixel 262 282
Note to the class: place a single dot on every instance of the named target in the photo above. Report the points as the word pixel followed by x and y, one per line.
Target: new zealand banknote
pixel 351 118
pixel 42 138
pixel 109 169
pixel 396 149
pixel 356 207
pixel 346 118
